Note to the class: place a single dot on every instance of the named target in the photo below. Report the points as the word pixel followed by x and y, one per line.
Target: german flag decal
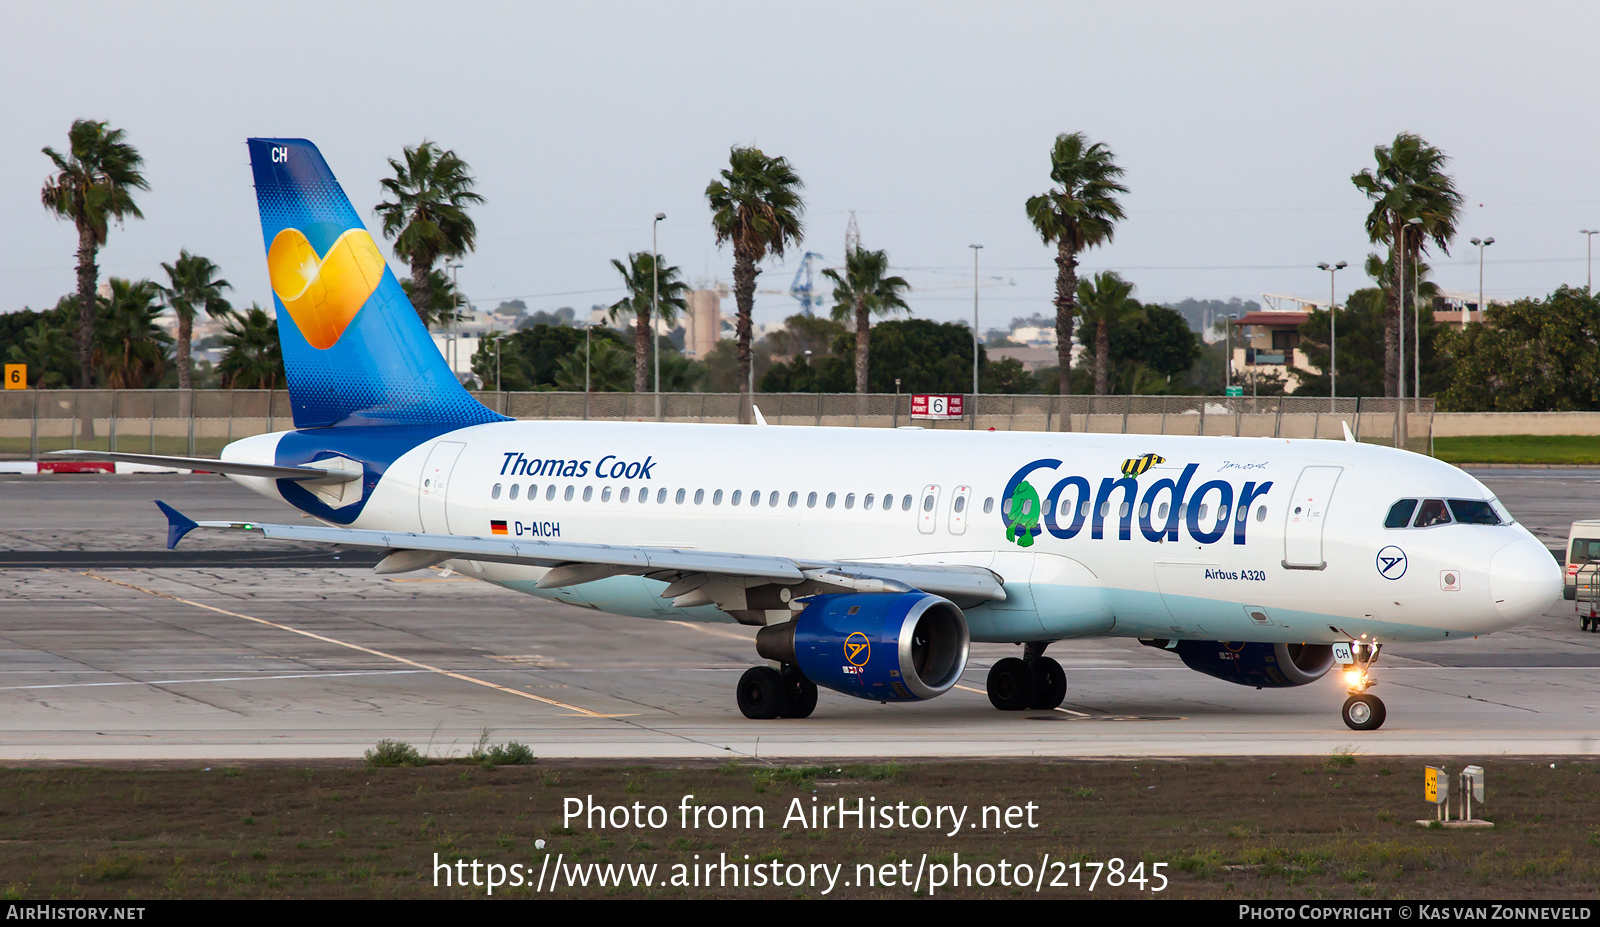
pixel 497 527
pixel 1133 467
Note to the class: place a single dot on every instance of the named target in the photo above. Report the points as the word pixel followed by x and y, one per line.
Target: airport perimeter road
pixel 1546 502
pixel 242 662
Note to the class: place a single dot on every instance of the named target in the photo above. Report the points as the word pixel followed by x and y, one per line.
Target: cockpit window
pixel 1400 513
pixel 1431 512
pixel 1473 512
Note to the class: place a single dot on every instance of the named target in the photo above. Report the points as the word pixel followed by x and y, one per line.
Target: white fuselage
pixel 1306 559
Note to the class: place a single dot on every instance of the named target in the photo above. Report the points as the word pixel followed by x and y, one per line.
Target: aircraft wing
pixel 695 577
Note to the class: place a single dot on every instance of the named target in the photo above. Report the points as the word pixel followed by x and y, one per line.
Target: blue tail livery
pixel 354 350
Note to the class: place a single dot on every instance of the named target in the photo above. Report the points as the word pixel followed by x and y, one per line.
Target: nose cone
pixel 1524 580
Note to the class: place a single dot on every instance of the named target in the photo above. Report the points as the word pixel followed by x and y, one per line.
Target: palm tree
pixel 428 217
pixel 638 275
pixel 193 287
pixel 252 357
pixel 1105 302
pixel 441 294
pixel 93 184
pixel 604 369
pixel 48 352
pixel 756 205
pixel 131 347
pixel 1409 183
pixel 1080 212
pixel 862 292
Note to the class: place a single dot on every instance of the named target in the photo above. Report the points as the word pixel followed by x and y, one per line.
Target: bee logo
pixel 1133 467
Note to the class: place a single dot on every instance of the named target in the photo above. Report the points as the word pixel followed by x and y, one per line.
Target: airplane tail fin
pixel 354 350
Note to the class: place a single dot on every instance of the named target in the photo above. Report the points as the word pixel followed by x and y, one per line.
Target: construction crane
pixel 804 286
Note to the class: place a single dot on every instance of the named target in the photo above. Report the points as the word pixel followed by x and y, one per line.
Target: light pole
pixel 655 310
pixel 1333 337
pixel 1227 370
pixel 1481 243
pixel 455 307
pixel 1588 236
pixel 975 250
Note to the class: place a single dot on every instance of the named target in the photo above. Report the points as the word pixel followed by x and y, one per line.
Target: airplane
pixel 870 559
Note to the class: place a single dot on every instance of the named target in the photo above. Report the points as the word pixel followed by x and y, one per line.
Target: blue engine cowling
pixel 1265 666
pixel 888 647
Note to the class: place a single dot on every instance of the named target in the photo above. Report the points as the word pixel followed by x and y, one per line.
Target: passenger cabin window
pixel 567 496
pixel 495 493
pixel 849 500
pixel 988 505
pixel 661 496
pixel 866 502
pixel 1400 513
pixel 550 493
pixel 738 494
pixel 623 496
pixel 832 497
pixel 1431 512
pixel 605 494
pixel 716 497
pixel 794 499
pixel 811 501
pixel 905 503
pixel 699 496
pixel 588 493
pixel 514 488
pixel 772 499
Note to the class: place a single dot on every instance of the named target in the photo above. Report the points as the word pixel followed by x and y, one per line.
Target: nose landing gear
pixel 1362 711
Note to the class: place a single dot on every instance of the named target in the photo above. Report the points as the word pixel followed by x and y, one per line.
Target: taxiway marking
pixel 377 653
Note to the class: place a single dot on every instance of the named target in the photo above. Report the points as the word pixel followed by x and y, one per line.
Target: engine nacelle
pixel 1265 666
pixel 887 647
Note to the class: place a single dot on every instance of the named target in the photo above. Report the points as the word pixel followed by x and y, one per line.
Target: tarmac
pixel 234 648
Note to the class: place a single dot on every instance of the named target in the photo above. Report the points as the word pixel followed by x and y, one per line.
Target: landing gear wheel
pixel 1012 685
pixel 1363 712
pixel 1051 682
pixel 800 694
pixel 761 693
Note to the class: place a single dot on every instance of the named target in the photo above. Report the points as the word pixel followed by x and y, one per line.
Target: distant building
pixel 702 323
pixel 1269 344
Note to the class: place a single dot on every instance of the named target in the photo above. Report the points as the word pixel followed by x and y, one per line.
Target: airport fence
pixel 201 422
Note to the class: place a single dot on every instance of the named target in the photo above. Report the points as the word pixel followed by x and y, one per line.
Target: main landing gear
pixel 766 693
pixel 1362 711
pixel 1033 682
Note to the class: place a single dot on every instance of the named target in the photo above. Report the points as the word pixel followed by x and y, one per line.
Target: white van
pixel 1583 546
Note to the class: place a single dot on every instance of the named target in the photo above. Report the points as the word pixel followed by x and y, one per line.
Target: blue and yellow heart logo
pixel 324 292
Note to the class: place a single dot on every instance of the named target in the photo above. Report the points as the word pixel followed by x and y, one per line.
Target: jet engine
pixel 887 647
pixel 1264 666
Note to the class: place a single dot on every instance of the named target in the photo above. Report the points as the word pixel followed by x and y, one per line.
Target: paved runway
pixel 234 661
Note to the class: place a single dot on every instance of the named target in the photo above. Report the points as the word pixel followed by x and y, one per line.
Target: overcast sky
pixel 1239 126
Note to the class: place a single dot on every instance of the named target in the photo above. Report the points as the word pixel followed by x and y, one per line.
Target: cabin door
pixel 1303 522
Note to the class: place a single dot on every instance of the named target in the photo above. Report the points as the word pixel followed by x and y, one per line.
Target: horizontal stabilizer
pixel 178 524
pixel 215 466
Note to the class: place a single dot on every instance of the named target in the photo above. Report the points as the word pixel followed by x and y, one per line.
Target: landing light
pixel 1355 680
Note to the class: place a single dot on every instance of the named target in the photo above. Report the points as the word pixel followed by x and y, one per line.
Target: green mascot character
pixel 1022 522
